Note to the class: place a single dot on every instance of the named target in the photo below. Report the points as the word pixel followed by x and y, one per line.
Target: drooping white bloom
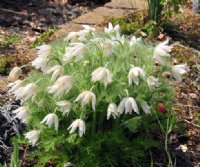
pixel 40 63
pixel 43 50
pixel 145 107
pixel 134 41
pixel 57 70
pixel 179 70
pixel 88 28
pixel 118 39
pixel 22 113
pixel 83 33
pixel 33 136
pixel 74 52
pixel 15 85
pixel 87 97
pixel 73 37
pixel 152 82
pixel 14 74
pixel 65 106
pixel 112 29
pixel 103 75
pixel 134 74
pixel 63 85
pixel 162 50
pixel 78 123
pixel 27 92
pixel 128 104
pixel 51 119
pixel 107 47
pixel 78 36
pixel 112 111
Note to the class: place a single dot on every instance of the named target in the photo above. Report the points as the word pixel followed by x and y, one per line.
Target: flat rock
pixel 3 84
pixel 126 4
pixel 65 29
pixel 99 15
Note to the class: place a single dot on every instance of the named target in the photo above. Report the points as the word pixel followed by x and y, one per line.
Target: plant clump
pixel 98 99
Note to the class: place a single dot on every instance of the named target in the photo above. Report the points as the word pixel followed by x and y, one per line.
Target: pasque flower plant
pixel 98 99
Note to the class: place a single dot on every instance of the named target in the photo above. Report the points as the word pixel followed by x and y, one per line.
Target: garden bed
pixel 184 134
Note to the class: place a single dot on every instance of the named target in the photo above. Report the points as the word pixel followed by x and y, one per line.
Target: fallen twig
pixel 195 125
pixel 11 11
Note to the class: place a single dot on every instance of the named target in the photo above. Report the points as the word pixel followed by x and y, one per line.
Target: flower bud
pixel 161 108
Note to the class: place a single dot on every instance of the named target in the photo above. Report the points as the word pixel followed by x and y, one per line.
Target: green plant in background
pixel 8 41
pixel 136 23
pixel 148 23
pixel 156 8
pixel 15 161
pixel 44 37
pixel 102 98
pixel 5 63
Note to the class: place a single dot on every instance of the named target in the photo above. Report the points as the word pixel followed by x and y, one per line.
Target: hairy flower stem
pixel 168 130
pixel 100 126
pixel 94 123
pixel 167 151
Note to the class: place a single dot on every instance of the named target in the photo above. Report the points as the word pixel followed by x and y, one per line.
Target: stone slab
pixel 127 4
pixel 99 16
pixel 3 84
pixel 65 29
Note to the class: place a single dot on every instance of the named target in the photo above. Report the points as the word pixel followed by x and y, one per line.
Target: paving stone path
pixel 96 18
pixel 100 15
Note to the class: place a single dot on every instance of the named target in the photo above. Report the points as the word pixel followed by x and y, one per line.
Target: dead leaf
pixel 193 95
pixel 161 36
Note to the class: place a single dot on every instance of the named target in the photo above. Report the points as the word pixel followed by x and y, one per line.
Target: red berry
pixel 161 108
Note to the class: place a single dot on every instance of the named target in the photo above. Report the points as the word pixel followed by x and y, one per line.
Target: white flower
pixel 118 40
pixel 40 63
pixel 152 82
pixel 27 92
pixel 65 106
pixel 112 29
pixel 78 123
pixel 179 70
pixel 33 136
pixel 134 74
pixel 134 41
pixel 57 70
pixel 88 28
pixel 103 75
pixel 162 50
pixel 73 37
pixel 87 97
pixel 107 47
pixel 78 36
pixel 74 52
pixel 15 85
pixel 63 85
pixel 112 111
pixel 44 50
pixel 22 114
pixel 128 104
pixel 14 74
pixel 183 148
pixel 51 119
pixel 145 107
